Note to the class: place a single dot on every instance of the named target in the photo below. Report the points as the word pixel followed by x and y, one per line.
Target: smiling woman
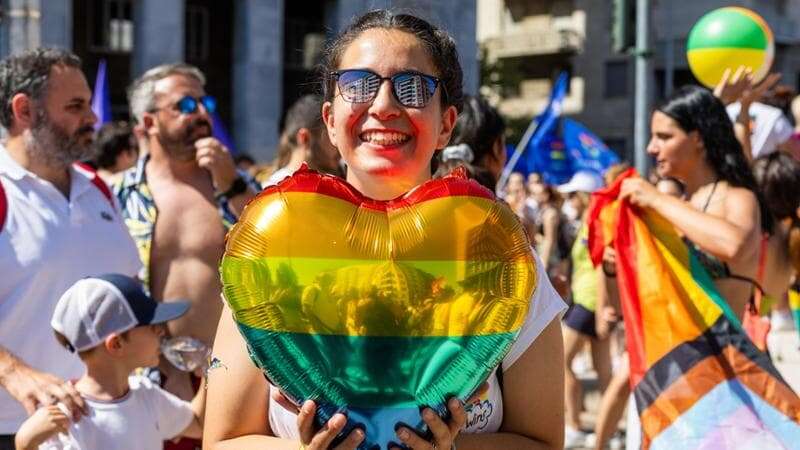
pixel 392 93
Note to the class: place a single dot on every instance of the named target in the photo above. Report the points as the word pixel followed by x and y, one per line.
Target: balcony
pixel 559 38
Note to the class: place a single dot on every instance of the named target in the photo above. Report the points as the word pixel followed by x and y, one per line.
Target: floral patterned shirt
pixel 139 210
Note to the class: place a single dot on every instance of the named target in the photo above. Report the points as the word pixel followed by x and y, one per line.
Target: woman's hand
pixel 322 439
pixel 639 192
pixel 444 434
pixel 606 318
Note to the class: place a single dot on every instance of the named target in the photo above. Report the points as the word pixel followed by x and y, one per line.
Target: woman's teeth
pixel 384 138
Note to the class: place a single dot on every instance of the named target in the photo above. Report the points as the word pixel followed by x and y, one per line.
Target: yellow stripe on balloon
pixel 368 298
pixel 468 229
pixel 705 65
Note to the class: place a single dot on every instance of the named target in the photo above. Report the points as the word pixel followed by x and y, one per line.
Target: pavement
pixel 784 347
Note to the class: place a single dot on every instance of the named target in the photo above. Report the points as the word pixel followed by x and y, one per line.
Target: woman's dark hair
pixel 306 113
pixel 479 126
pixel 697 109
pixel 112 139
pixel 439 45
pixel 778 176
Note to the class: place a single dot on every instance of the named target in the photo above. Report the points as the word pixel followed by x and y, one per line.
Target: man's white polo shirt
pixel 46 244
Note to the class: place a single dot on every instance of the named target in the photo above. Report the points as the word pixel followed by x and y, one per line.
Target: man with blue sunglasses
pixel 180 200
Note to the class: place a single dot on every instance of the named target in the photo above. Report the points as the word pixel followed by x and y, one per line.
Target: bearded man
pixel 58 223
pixel 180 200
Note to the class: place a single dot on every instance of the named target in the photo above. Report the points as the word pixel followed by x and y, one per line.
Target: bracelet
pixel 238 186
pixel 607 272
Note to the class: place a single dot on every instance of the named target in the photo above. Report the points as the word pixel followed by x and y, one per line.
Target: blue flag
pixel 218 131
pixel 585 150
pixel 545 149
pixel 101 98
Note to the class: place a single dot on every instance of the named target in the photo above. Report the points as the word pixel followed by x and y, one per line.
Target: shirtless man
pixel 180 199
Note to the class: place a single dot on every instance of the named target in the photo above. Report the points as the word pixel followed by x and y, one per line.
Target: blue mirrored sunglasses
pixel 411 89
pixel 189 104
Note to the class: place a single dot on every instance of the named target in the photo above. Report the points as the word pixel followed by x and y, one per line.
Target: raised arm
pixel 729 238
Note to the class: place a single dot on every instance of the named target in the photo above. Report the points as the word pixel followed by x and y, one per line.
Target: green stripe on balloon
pixel 375 371
pixel 727 27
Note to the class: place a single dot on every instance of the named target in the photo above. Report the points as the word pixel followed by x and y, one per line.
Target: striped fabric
pixel 698 381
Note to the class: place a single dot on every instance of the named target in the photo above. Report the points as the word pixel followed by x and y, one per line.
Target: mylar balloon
pixel 376 308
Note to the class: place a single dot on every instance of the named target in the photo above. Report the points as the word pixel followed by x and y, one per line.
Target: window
pixel 112 26
pixel 197 33
pixel 304 43
pixel 616 79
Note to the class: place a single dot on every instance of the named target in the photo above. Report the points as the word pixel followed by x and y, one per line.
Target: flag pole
pixel 526 138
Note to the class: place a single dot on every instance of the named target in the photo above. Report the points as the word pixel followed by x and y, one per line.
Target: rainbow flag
pixel 698 381
pixel 794 304
pixel 377 307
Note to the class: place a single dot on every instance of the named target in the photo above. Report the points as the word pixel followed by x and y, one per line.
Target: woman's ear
pixel 448 124
pixel 697 140
pixel 327 118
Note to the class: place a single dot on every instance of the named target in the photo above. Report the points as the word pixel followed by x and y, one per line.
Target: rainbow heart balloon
pixel 377 308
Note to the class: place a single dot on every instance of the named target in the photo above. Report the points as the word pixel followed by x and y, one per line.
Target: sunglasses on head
pixel 190 105
pixel 411 89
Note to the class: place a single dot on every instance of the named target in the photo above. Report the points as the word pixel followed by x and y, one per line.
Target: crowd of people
pixel 110 242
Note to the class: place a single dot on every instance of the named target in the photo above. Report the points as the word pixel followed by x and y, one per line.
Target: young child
pixel 115 328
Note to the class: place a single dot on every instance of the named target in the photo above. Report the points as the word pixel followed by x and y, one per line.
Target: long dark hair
pixel 697 109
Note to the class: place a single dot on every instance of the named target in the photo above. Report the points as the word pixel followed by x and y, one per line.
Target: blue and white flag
pixel 586 151
pixel 101 97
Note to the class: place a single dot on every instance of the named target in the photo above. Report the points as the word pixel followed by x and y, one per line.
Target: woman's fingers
pixel 305 421
pixel 351 442
pixel 458 417
pixel 411 439
pixel 324 437
pixel 440 430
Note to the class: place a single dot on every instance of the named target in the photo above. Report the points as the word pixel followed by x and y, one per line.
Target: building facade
pixel 258 55
pixel 534 41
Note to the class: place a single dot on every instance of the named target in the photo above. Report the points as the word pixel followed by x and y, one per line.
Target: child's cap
pixel 95 307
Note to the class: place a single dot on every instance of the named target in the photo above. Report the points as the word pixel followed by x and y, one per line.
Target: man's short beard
pixel 53 146
pixel 180 146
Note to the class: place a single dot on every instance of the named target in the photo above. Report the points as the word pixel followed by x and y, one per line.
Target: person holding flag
pixel 686 271
pixel 693 141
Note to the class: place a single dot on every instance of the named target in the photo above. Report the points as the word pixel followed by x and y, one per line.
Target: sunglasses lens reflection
pixel 412 90
pixel 187 105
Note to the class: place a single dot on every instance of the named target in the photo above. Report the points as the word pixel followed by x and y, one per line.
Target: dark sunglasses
pixel 411 89
pixel 189 104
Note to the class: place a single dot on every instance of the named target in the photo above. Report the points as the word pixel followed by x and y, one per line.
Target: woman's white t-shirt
pixel 486 415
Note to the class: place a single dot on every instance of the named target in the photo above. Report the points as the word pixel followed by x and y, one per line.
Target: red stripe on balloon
pixel 307 180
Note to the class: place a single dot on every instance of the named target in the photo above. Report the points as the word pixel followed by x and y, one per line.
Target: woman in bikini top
pixel 724 220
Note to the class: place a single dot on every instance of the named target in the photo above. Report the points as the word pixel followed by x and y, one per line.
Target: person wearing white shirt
pixel 58 224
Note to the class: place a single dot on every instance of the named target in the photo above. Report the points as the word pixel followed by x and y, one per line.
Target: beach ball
pixel 377 308
pixel 728 38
